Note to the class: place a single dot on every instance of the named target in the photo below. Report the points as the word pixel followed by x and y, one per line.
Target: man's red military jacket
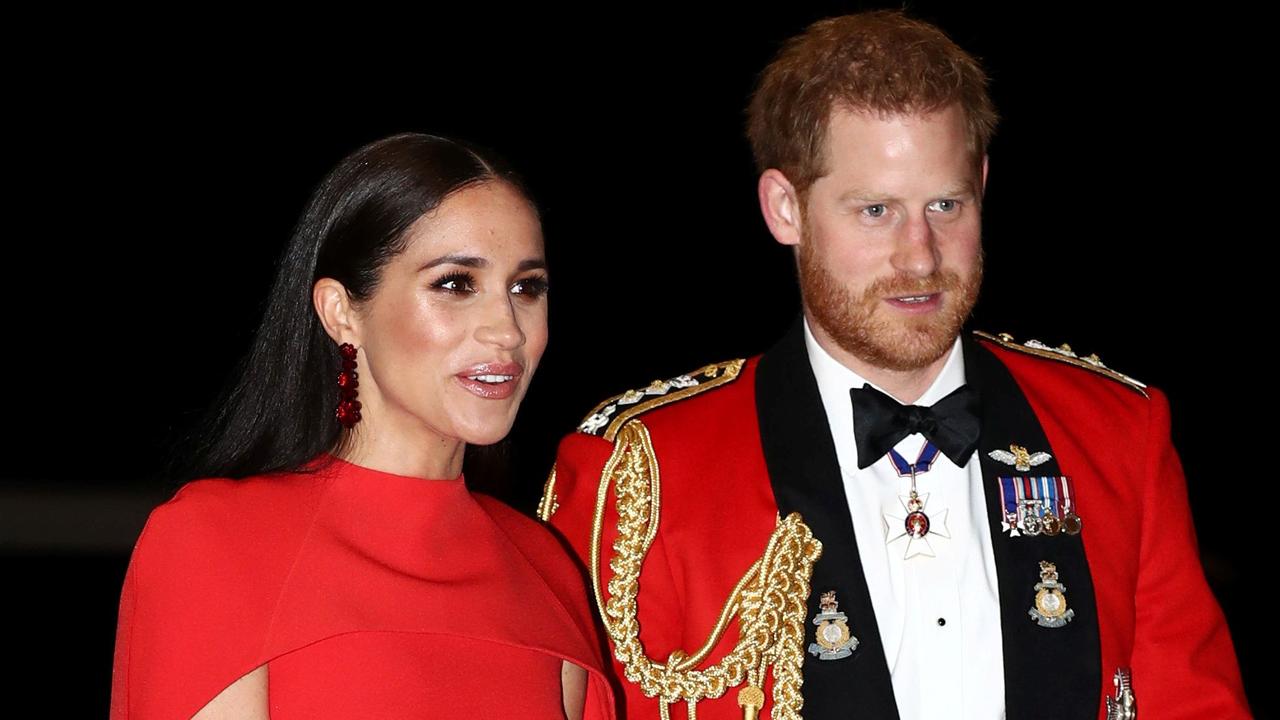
pixel 750 441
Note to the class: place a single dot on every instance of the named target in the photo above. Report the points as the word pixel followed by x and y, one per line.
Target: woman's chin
pixel 487 434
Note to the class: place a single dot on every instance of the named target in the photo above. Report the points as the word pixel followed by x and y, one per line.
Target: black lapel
pixel 1048 672
pixel 805 474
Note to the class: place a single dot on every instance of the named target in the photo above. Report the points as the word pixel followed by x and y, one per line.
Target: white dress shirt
pixel 939 615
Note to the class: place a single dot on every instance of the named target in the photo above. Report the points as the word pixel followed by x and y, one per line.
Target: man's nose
pixel 916 252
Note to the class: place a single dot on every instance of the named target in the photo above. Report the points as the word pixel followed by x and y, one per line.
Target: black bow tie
pixel 880 422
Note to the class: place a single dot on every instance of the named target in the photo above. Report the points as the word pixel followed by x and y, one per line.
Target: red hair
pixel 879 62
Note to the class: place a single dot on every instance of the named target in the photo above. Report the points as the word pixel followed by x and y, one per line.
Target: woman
pixel 331 562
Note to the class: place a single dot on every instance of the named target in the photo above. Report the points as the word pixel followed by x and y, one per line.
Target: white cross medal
pixel 914 523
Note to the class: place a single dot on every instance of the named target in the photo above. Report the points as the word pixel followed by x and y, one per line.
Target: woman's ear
pixel 336 311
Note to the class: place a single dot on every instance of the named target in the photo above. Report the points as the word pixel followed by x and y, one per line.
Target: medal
pixel 1050 524
pixel 1009 499
pixel 914 524
pixel 1049 499
pixel 834 641
pixel 1050 608
pixel 1043 505
pixel 1071 522
pixel 1031 524
pixel 917 523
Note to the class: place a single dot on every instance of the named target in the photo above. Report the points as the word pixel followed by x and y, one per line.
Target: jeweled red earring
pixel 348 412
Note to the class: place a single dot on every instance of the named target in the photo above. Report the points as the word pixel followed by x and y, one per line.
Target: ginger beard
pixel 864 326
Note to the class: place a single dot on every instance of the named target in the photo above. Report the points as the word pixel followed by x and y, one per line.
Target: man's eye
pixel 875 211
pixel 945 206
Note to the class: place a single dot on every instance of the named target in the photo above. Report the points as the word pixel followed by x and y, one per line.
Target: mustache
pixel 902 285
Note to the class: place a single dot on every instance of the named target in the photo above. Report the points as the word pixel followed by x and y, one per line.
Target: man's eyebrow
pixel 965 187
pixel 859 195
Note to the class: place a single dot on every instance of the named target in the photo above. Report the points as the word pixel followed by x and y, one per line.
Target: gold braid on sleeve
pixel 769 600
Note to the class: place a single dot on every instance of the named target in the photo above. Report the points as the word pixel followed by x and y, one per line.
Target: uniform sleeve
pixel 579 464
pixel 1184 664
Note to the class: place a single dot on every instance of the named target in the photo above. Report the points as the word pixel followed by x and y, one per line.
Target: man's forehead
pixel 863 120
pixel 875 136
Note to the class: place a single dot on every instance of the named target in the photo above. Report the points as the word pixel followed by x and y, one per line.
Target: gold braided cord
pixel 769 600
pixel 548 505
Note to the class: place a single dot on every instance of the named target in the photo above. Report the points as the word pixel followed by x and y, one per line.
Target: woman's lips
pixel 492 381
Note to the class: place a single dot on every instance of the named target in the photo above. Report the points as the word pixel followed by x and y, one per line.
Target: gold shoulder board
pixel 607 417
pixel 1063 353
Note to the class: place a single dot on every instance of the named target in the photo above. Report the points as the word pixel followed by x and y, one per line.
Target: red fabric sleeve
pixel 1184 664
pixel 192 613
pixel 579 463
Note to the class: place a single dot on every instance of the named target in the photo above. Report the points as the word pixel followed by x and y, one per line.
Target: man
pixel 882 517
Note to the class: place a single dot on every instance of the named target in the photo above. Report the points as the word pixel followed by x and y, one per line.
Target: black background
pixel 158 176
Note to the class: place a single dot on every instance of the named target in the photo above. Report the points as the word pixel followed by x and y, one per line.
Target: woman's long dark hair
pixel 277 412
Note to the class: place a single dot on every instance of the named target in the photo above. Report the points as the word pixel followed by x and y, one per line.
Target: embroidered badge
pixel 834 641
pixel 1050 609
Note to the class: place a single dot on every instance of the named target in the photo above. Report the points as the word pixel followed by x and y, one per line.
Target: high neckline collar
pixel 348 468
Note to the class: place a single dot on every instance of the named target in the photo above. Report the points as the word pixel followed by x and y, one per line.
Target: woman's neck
pixel 434 458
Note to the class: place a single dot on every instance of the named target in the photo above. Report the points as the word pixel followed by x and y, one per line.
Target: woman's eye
pixel 532 287
pixel 455 283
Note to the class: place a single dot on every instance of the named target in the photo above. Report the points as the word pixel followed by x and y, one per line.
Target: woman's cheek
pixel 536 332
pixel 438 325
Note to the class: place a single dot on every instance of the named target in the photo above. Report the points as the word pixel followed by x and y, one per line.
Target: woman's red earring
pixel 348 412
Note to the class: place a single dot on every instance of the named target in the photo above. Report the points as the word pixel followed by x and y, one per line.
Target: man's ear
pixel 780 206
pixel 336 311
pixel 984 174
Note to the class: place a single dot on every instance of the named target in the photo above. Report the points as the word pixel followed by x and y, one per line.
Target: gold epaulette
pixel 605 419
pixel 1063 353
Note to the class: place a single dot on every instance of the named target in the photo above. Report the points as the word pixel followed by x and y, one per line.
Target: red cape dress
pixel 367 594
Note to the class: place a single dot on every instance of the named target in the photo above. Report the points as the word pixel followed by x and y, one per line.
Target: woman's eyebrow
pixel 470 261
pixel 473 261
